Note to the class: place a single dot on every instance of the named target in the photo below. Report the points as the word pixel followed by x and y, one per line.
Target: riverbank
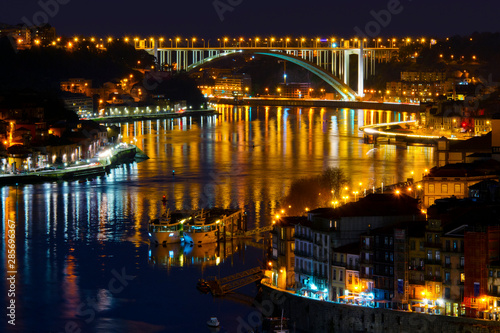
pixel 152 116
pixel 310 315
pixel 323 103
pixel 97 167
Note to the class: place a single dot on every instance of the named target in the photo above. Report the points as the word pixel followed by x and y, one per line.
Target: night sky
pixel 249 18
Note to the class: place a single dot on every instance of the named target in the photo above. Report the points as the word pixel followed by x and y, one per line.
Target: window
pixel 421 248
pixel 447 260
pixel 444 188
pixel 447 245
pixel 349 279
pixel 334 274
pixel 386 241
pixel 342 258
pixel 462 261
pixel 392 256
pixel 490 273
pixel 350 262
pixel 438 289
pixel 458 188
pixel 341 275
pixel 447 276
pixel 429 238
pixel 462 277
pixel 335 258
pixel 455 244
pixel 412 245
pixel 438 255
pixel 498 274
pixel 429 255
pixel 431 188
pixel 292 247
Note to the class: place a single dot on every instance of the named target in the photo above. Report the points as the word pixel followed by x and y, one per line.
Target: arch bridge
pixel 330 63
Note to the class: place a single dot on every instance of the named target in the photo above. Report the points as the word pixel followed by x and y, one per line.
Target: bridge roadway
pixel 321 103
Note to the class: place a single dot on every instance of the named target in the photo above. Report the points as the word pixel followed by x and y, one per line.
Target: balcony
pixel 365 276
pixel 303 237
pixel 447 282
pixel 338 263
pixel 304 254
pixel 416 268
pixel 433 262
pixel 303 271
pixel 352 267
pixel 433 278
pixel 320 258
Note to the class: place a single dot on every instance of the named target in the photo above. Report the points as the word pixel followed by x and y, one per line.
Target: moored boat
pixel 166 230
pixel 202 231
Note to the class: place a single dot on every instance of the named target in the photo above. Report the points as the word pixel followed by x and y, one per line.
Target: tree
pixel 316 191
pixel 336 180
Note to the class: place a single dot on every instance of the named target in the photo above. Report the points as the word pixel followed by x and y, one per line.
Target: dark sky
pixel 249 18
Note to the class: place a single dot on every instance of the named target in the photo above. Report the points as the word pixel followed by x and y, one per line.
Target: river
pixel 82 257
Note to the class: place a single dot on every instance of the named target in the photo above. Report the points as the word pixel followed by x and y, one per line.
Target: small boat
pixel 203 286
pixel 166 230
pixel 213 322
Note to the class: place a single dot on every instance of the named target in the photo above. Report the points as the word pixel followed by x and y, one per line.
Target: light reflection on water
pixel 71 236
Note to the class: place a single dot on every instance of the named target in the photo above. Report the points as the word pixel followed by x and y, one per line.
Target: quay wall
pixel 308 315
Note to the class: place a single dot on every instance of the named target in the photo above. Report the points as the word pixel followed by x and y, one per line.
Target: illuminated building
pixel 78 86
pixel 455 179
pixel 312 255
pixel 229 84
pixel 283 247
pixel 345 285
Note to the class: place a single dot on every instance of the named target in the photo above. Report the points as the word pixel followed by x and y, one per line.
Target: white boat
pixel 213 322
pixel 166 231
pixel 202 231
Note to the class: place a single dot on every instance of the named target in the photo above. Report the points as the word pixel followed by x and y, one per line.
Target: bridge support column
pixel 361 71
pixel 346 67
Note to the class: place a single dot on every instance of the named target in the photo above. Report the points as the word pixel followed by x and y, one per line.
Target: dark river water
pixel 82 257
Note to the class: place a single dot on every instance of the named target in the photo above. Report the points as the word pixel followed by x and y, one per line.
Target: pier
pixel 220 287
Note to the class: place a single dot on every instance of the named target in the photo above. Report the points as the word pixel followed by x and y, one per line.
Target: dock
pixel 223 286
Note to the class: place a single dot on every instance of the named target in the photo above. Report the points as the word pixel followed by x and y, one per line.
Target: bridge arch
pixel 344 90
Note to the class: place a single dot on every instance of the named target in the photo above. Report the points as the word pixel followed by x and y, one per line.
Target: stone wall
pixel 307 315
